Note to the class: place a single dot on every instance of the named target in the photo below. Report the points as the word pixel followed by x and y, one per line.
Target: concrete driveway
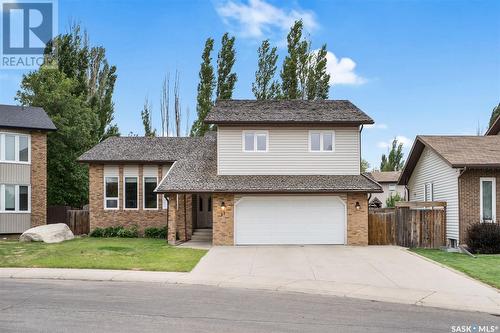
pixel 382 273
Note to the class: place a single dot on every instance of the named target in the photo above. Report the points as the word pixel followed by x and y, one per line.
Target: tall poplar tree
pixel 205 90
pixel 495 114
pixel 225 61
pixel 318 81
pixel 394 161
pixel 265 87
pixel 289 72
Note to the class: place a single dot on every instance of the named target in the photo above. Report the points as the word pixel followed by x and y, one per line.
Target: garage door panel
pixel 290 220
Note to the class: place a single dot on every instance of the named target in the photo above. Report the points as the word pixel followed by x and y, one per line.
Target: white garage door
pixel 290 220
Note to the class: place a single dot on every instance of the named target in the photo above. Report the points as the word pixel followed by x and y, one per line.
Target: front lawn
pixel 101 253
pixel 485 268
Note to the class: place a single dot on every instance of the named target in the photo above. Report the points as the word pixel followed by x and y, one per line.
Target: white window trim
pixel 392 187
pixel 431 188
pixel 106 198
pixel 124 193
pixel 16 147
pixel 255 133
pixel 321 145
pixel 144 193
pixel 493 199
pixel 16 200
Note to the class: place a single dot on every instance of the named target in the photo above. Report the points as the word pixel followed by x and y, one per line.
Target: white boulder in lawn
pixel 50 233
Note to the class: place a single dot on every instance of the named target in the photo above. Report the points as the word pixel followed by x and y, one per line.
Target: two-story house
pixel 23 167
pixel 274 172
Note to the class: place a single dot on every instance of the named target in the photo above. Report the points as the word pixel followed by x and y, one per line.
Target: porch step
pixel 202 235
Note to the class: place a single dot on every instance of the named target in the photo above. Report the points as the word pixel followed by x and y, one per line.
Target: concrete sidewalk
pixel 481 303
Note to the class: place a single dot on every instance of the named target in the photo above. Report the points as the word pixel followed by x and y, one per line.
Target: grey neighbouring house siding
pixel 288 152
pixel 11 173
pixel 431 168
pixel 14 223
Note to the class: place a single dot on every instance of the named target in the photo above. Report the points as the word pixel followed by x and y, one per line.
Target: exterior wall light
pixel 358 206
pixel 223 208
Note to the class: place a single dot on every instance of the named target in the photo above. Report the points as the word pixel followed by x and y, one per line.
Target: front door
pixel 204 211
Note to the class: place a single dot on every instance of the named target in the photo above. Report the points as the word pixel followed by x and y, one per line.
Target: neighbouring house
pixel 389 182
pixel 23 167
pixel 464 171
pixel 495 128
pixel 274 172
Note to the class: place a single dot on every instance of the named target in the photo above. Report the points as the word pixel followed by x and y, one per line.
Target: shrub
pixel 153 232
pixel 111 231
pixel 97 232
pixel 128 233
pixel 484 238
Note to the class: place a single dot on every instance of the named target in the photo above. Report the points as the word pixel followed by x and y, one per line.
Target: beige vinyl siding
pixel 14 223
pixel 288 153
pixel 431 168
pixel 12 173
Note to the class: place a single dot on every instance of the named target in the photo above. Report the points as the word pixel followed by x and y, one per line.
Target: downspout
pixel 168 211
pixel 185 220
pixel 460 237
pixel 360 158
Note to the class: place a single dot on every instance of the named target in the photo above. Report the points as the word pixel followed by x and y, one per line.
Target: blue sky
pixel 416 67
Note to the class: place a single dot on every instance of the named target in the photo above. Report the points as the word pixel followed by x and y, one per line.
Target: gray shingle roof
pixel 12 116
pixel 197 172
pixel 141 149
pixel 286 112
pixel 385 176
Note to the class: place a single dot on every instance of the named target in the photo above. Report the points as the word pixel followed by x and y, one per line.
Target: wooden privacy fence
pixel 410 224
pixel 76 219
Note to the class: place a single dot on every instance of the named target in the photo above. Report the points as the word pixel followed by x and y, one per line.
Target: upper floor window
pixel 14 148
pixel 255 141
pixel 392 187
pixel 488 199
pixel 321 141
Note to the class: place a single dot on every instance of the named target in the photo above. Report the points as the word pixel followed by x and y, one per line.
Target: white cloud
pixel 376 126
pixel 342 70
pixel 259 19
pixel 407 143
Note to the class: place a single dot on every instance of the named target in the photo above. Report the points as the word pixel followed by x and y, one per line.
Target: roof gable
pixel 287 112
pixel 12 116
pixel 457 151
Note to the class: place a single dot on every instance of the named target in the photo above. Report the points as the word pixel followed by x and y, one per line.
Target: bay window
pixel 131 193
pixel 111 192
pixel 488 199
pixel 150 197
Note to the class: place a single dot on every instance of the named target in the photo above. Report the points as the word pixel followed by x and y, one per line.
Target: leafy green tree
pixel 205 90
pixel 393 162
pixel 304 74
pixel 59 95
pixel 265 87
pixel 225 61
pixel 364 165
pixel 392 199
pixel 318 82
pixel 147 119
pixel 95 79
pixel 495 114
pixel 289 72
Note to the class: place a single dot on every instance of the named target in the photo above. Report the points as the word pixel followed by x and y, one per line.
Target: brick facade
pixel 99 217
pixel 38 178
pixel 223 219
pixel 469 198
pixel 357 220
pixel 180 218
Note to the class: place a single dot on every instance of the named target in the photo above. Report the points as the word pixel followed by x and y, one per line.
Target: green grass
pixel 485 268
pixel 101 253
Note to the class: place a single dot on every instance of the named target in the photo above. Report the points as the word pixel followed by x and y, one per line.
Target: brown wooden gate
pixel 410 224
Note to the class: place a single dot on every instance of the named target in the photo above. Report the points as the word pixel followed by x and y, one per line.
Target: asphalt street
pixel 85 306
